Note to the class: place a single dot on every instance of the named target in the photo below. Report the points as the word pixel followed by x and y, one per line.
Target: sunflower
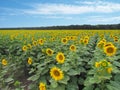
pixel 29 61
pixel 60 57
pixel 108 44
pixel 29 46
pixel 4 62
pixel 97 64
pixel 34 43
pixel 49 52
pixel 42 86
pixel 73 48
pixel 81 41
pixel 101 44
pixel 64 40
pixel 85 41
pixel 115 40
pixel 41 41
pixel 24 48
pixel 110 50
pixel 56 73
pixel 109 69
pixel 104 63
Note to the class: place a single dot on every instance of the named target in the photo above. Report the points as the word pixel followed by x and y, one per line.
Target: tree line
pixel 70 27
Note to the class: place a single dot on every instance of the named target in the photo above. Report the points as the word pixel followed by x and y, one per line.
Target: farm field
pixel 59 60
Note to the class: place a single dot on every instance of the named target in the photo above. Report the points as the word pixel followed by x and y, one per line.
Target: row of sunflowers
pixel 60 60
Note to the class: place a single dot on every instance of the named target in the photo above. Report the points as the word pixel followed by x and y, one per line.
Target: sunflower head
pixel 104 63
pixel 56 73
pixel 110 50
pixel 60 57
pixel 108 44
pixel 64 40
pixel 109 70
pixel 49 52
pixel 73 48
pixel 42 86
pixel 41 41
pixel 24 48
pixel 97 64
pixel 29 46
pixel 34 43
pixel 29 61
pixel 115 40
pixel 81 41
pixel 4 62
pixel 85 41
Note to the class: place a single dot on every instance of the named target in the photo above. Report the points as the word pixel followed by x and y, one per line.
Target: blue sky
pixel 32 13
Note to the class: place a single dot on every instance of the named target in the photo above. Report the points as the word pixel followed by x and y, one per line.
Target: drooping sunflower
pixel 110 50
pixel 60 57
pixel 4 62
pixel 56 73
pixel 42 86
pixel 29 61
pixel 64 40
pixel 73 48
pixel 49 52
pixel 24 48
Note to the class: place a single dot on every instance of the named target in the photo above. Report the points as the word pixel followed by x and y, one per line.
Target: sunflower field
pixel 59 60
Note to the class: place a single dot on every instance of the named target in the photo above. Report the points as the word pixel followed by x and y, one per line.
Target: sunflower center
pixel 64 40
pixel 72 47
pixel 49 51
pixel 110 50
pixel 56 73
pixel 60 57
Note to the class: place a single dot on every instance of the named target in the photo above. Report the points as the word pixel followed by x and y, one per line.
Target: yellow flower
pixel 109 70
pixel 73 48
pixel 110 50
pixel 64 40
pixel 49 52
pixel 108 44
pixel 24 48
pixel 29 46
pixel 81 40
pixel 60 57
pixel 85 41
pixel 104 63
pixel 41 41
pixel 29 61
pixel 4 62
pixel 34 43
pixel 42 86
pixel 97 64
pixel 56 73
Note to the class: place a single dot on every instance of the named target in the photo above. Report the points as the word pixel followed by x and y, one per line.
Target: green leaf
pixel 34 77
pixel 54 83
pixel 9 80
pixel 90 87
pixel 73 72
pixel 65 79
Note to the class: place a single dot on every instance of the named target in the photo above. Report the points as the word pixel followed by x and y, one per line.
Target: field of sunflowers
pixel 59 60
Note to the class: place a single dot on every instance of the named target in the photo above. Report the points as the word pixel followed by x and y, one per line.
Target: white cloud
pixel 83 7
pixel 103 19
